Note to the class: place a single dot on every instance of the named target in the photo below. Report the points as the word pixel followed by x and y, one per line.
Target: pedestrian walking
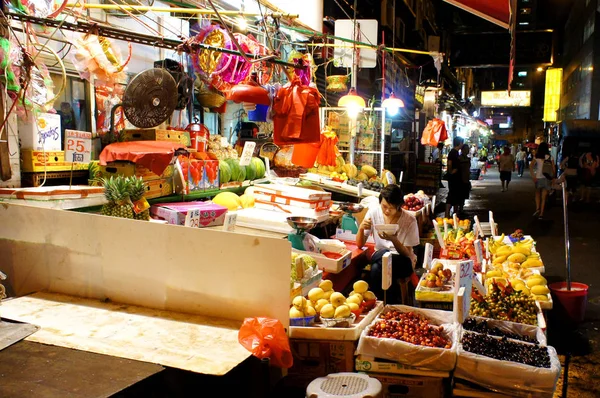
pixel 521 156
pixel 542 173
pixel 506 165
pixel 453 176
pixel 588 163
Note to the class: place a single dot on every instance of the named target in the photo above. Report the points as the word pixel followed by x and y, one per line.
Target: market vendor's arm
pixel 406 238
pixel 365 225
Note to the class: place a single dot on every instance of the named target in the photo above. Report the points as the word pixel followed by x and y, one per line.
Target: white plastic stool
pixel 344 385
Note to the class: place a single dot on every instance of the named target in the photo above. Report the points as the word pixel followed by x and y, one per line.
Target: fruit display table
pixel 353 271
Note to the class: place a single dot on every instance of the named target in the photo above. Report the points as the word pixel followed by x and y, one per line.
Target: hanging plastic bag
pixel 440 133
pixel 427 136
pixel 266 338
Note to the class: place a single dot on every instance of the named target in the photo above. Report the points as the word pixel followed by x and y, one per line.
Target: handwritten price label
pixel 464 279
pixel 192 219
pixel 78 146
pixel 247 153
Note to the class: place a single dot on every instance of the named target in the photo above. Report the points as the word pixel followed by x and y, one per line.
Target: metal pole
pixel 567 242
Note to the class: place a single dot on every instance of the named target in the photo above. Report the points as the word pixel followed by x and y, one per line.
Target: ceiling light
pixel 352 102
pixel 392 104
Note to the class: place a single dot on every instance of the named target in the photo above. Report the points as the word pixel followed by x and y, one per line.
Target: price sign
pixel 224 142
pixel 78 146
pixel 438 233
pixel 386 271
pixel 230 220
pixel 267 168
pixel 445 229
pixel 478 229
pixel 433 203
pixel 360 189
pixel 464 279
pixel 493 225
pixel 455 220
pixel 192 219
pixel 428 257
pixel 478 251
pixel 247 153
pixel 390 177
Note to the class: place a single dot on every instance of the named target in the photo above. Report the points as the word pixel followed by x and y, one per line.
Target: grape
pixel 505 304
pixel 506 350
pixel 483 328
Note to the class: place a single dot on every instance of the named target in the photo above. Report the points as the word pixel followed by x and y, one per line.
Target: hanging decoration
pixel 337 83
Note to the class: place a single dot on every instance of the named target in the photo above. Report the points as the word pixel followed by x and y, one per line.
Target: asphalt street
pixel 513 209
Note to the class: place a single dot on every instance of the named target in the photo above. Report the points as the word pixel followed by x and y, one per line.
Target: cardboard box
pixel 34 161
pixel 128 169
pixel 377 365
pixel 174 213
pixel 41 133
pixel 396 386
pixel 159 188
pixel 183 137
pixel 318 358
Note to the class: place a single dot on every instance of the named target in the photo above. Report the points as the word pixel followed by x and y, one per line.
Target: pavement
pixel 577 345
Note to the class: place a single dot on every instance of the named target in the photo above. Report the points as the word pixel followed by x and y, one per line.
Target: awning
pixel 494 11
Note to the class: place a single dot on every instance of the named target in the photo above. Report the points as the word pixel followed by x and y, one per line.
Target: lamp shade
pixel 393 102
pixel 351 100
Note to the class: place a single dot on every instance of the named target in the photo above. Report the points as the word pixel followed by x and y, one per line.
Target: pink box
pixel 174 213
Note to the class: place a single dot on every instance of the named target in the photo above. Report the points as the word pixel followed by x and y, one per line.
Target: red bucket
pixel 571 303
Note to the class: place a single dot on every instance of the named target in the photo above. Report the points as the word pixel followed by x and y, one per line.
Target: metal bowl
pixel 351 207
pixel 302 223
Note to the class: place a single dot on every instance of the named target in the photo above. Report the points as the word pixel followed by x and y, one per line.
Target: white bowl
pixel 390 229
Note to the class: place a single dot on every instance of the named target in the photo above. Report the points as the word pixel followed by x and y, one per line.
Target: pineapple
pixel 138 188
pixel 117 191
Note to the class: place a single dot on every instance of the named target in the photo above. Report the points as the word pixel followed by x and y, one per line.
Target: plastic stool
pixel 344 385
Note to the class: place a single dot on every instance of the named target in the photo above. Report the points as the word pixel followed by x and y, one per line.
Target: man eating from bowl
pixel 381 221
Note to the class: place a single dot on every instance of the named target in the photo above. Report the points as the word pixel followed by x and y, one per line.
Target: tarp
pixel 153 155
pixel 494 11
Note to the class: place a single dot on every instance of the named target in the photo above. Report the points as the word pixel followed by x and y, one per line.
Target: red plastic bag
pixel 296 115
pixel 434 132
pixel 266 338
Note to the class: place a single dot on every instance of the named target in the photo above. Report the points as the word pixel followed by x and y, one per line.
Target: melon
pixel 242 175
pixel 229 200
pixel 260 167
pixel 236 170
pixel 224 172
pixel 247 201
pixel 251 172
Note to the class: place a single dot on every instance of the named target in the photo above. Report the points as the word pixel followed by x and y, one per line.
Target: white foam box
pixel 319 332
pixel 402 386
pixel 376 365
pixel 41 133
pixel 329 264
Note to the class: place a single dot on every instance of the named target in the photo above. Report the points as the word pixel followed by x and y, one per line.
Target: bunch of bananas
pixel 519 253
pixel 456 235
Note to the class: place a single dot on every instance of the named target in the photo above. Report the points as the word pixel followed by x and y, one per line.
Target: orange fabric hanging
pixel 328 152
pixel 296 115
pixel 434 132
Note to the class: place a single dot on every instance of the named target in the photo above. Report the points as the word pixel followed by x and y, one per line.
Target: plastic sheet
pixel 410 354
pixel 153 155
pixel 507 377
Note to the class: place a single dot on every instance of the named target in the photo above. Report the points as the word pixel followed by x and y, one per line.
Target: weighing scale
pixel 301 225
pixel 348 220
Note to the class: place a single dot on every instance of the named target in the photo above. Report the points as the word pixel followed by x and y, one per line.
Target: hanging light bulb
pixel 392 105
pixel 241 20
pixel 353 103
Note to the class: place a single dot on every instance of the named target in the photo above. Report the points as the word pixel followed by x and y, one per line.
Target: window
pixel 522 73
pixel 73 104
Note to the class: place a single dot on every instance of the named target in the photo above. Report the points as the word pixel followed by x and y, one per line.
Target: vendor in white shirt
pixel 400 245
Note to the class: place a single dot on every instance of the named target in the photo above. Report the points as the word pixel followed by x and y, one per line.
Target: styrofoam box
pixel 41 133
pixel 329 264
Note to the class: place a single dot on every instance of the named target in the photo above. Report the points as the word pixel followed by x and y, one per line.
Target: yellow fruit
pixel 504 250
pixel 517 258
pixel 326 285
pixel 492 274
pixel 315 294
pixel 353 306
pixel 523 289
pixel 229 200
pixel 534 281
pixel 499 260
pixel 343 311
pixel 337 299
pixel 514 282
pixel 310 311
pixel 540 289
pixel 523 250
pixel 387 177
pixel 362 177
pixel 532 263
pixel 299 302
pixel 540 297
pixel 320 304
pixel 296 313
pixel 327 311
pixel 369 295
pixel 356 298
pixel 247 201
pixel 368 170
pixel 327 294
pixel 360 286
pixel 350 170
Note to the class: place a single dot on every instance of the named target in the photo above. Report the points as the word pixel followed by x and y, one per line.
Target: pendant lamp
pixel 352 102
pixel 392 104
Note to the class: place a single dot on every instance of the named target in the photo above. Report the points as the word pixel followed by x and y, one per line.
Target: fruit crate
pixel 317 332
pixel 378 365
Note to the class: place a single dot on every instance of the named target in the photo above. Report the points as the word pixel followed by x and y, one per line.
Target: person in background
pixel 569 168
pixel 588 164
pixel 521 156
pixel 400 244
pixel 465 175
pixel 436 155
pixel 542 173
pixel 506 166
pixel 454 184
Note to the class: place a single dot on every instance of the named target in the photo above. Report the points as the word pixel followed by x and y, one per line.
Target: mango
pixel 532 263
pixel 540 289
pixel 523 250
pixel 540 297
pixel 492 274
pixel 517 258
pixel 523 290
pixel 499 260
pixel 533 281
